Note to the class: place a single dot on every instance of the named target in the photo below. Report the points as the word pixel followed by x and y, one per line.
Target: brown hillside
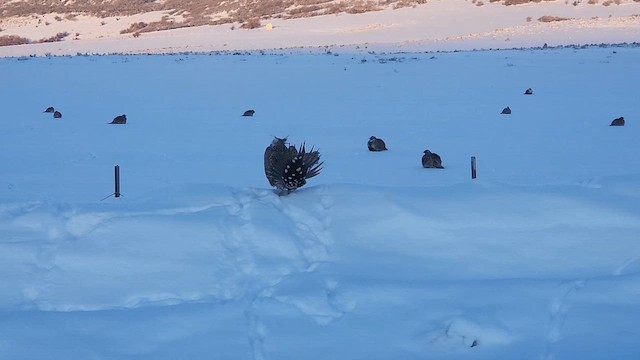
pixel 197 12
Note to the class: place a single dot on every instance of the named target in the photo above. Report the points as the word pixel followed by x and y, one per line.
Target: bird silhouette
pixel 288 168
pixel 121 119
pixel 431 160
pixel 618 122
pixel 375 144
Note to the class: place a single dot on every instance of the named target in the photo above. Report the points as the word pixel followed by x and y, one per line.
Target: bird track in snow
pixel 559 308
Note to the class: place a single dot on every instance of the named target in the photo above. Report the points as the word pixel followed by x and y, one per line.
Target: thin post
pixel 117 192
pixel 473 167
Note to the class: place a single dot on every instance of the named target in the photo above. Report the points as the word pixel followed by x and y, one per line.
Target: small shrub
pixel 304 10
pixel 547 19
pixel 252 23
pixel 520 2
pixel 135 27
pixel 57 37
pixel 9 40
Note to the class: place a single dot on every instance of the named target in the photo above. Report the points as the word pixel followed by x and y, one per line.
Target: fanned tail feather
pixel 287 167
pixel 310 161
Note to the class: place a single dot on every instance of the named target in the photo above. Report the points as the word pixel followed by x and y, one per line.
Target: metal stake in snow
pixel 117 174
pixel 117 181
pixel 473 167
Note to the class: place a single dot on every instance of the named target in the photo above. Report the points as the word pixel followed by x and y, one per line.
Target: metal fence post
pixel 117 192
pixel 473 167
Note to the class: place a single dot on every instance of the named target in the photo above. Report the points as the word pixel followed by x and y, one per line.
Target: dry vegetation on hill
pixel 572 2
pixel 201 12
pixel 188 13
pixel 197 12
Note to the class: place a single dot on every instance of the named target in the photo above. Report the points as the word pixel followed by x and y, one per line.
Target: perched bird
pixel 618 122
pixel 528 92
pixel 50 109
pixel 375 144
pixel 287 168
pixel 506 111
pixel 57 115
pixel 122 119
pixel 249 113
pixel 431 160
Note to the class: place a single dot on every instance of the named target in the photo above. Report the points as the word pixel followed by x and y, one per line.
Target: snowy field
pixel 376 258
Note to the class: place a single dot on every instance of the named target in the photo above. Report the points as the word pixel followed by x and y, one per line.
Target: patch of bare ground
pixel 548 18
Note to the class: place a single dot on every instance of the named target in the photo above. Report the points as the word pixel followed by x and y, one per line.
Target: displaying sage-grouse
pixel 57 114
pixel 288 168
pixel 431 160
pixel 122 119
pixel 375 144
pixel 618 122
pixel 50 109
pixel 249 113
pixel 506 111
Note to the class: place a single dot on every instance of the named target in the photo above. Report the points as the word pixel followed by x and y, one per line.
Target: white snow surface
pixel 375 258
